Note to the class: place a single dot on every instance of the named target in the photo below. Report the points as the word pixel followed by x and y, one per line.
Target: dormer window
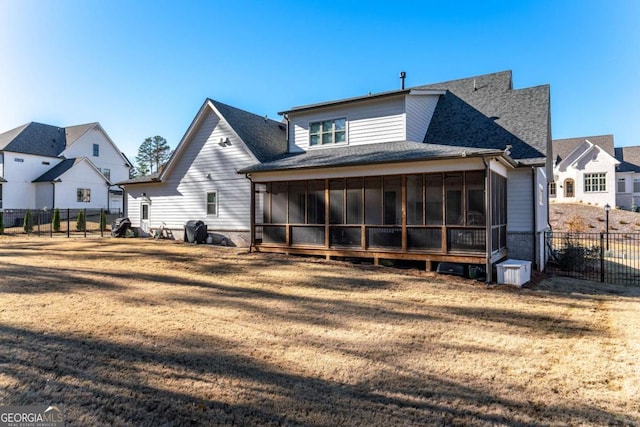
pixel 328 132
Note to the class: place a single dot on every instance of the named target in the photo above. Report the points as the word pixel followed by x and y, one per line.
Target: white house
pixel 591 170
pixel 628 178
pixel 584 171
pixel 454 171
pixel 201 180
pixel 49 166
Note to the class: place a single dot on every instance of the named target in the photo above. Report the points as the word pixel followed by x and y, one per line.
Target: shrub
pixel 80 222
pixel 576 224
pixel 27 224
pixel 575 257
pixel 56 220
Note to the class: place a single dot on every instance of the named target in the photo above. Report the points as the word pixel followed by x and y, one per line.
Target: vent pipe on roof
pixel 402 77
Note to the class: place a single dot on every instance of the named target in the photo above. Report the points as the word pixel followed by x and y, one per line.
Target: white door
pixel 144 217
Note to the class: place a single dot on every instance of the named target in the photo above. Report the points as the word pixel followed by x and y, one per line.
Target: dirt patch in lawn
pixel 142 332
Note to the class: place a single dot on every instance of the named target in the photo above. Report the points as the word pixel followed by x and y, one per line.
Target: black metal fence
pixel 604 257
pixel 63 223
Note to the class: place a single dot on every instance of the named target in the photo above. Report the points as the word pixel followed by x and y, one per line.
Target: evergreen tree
pixel 56 220
pixel 153 153
pixel 80 222
pixel 27 224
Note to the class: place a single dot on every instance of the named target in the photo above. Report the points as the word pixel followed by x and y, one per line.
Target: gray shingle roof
pixel 389 152
pixel 34 138
pixel 563 147
pixel 478 115
pixel 266 138
pixel 486 112
pixel 629 158
pixel 57 171
pixel 141 179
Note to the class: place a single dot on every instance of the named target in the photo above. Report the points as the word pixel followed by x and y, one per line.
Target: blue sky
pixel 144 68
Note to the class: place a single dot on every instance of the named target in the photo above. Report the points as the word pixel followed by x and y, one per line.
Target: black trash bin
pixel 195 231
pixel 119 227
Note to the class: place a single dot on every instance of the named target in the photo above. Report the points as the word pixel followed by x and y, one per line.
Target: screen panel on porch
pixel 444 212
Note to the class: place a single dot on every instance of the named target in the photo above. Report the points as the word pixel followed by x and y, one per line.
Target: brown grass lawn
pixel 143 332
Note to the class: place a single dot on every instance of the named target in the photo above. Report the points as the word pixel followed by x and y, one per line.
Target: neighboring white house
pixel 628 178
pixel 44 166
pixel 454 171
pixel 591 170
pixel 201 180
pixel 584 171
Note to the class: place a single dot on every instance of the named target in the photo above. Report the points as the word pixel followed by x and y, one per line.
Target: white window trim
pixel 597 176
pixel 217 203
pixel 333 144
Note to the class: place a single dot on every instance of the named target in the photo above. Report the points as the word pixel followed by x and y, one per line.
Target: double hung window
pixel 328 132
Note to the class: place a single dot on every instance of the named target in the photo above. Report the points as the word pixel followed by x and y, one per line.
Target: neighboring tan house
pixel 454 171
pixel 201 181
pixel 44 166
pixel 628 178
pixel 584 171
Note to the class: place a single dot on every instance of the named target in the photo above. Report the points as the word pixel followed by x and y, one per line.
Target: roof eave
pixel 344 101
pixel 484 154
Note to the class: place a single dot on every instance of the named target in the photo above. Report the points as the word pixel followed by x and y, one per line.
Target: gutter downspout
pixel 535 222
pixel 252 215
pixel 488 222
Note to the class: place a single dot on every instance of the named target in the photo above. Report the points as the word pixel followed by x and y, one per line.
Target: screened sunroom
pixel 457 216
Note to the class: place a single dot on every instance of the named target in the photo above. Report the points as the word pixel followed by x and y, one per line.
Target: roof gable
pixel 73 133
pixel 563 147
pixel 265 139
pixel 61 168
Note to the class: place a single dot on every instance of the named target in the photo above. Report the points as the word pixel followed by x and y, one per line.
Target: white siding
pixel 519 201
pixel 19 192
pixel 81 175
pixel 109 157
pixel 368 122
pixel 419 110
pixel 203 166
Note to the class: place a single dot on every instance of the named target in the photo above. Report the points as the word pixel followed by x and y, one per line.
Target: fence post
pixel 68 222
pixel 602 257
pixel 100 221
pixel 85 221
